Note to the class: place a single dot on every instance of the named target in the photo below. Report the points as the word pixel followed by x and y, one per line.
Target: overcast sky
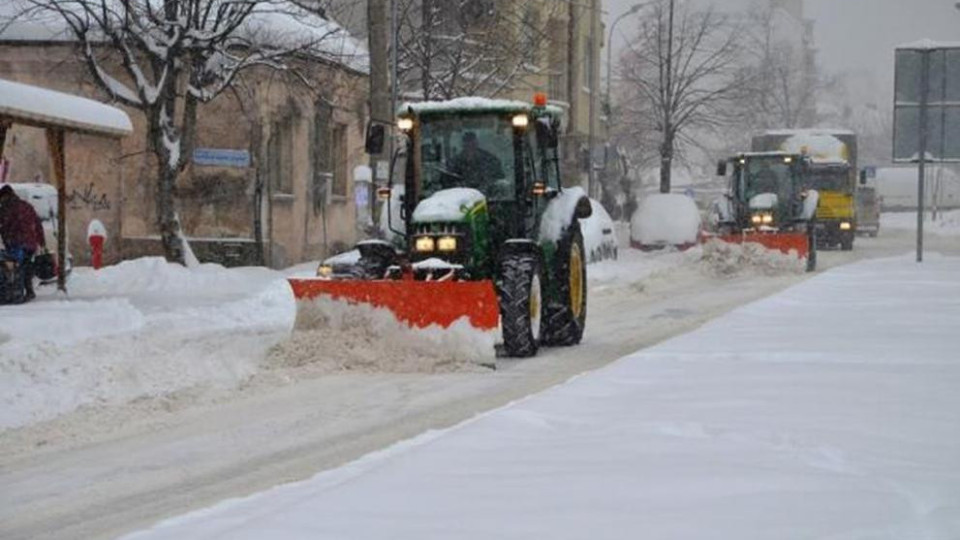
pixel 856 34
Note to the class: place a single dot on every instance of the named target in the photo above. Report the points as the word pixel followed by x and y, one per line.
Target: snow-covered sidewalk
pixel 827 411
pixel 947 224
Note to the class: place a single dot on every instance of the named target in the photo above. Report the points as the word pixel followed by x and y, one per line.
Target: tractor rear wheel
pixel 566 314
pixel 521 303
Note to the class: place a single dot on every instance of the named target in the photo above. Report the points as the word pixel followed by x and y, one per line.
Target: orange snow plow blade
pixel 783 242
pixel 417 303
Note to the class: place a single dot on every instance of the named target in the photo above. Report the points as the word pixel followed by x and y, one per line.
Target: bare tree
pixel 783 85
pixel 166 57
pixel 681 76
pixel 452 48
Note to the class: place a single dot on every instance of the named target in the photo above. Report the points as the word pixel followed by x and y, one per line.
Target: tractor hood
pixel 448 205
pixel 763 201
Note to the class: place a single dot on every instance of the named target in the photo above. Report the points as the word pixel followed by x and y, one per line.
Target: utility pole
pixel 594 91
pixel 924 90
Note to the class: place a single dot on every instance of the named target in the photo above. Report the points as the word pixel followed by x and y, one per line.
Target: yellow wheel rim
pixel 576 281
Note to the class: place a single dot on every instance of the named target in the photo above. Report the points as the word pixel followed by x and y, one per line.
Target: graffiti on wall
pixel 88 198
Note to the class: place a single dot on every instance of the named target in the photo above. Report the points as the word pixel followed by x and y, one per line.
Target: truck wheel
pixel 521 304
pixel 566 314
pixel 812 252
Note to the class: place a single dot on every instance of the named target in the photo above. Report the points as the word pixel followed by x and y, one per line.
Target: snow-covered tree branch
pixel 166 57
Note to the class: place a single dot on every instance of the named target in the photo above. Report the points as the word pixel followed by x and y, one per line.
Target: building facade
pixel 270 181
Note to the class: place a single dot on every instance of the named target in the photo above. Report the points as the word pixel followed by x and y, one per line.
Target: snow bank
pixel 794 417
pixel 447 205
pixel 137 330
pixel 334 336
pixel 724 259
pixel 559 213
pixel 665 219
pixel 947 224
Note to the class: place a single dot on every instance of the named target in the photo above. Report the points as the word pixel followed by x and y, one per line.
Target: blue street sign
pixel 221 157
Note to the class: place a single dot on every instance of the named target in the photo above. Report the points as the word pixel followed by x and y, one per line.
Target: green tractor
pixel 484 230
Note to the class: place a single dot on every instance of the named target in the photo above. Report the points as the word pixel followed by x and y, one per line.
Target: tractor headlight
pixel 324 270
pixel 447 243
pixel 425 243
pixel 762 218
pixel 756 219
pixel 767 219
pixel 405 124
pixel 844 225
pixel 521 121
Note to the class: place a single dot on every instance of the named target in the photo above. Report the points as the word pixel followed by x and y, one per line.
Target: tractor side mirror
pixel 376 134
pixel 546 134
pixel 863 177
pixel 721 168
pixel 583 210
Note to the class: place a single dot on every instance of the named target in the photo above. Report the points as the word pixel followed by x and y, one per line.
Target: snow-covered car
pixel 665 219
pixel 599 234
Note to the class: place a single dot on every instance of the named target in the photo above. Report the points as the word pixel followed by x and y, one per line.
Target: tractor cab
pixel 767 203
pixel 478 173
pixel 768 189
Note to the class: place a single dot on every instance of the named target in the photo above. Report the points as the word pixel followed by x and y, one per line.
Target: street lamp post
pixel 633 9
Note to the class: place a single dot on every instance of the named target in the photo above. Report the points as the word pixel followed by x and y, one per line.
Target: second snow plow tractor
pixel 767 204
pixel 486 233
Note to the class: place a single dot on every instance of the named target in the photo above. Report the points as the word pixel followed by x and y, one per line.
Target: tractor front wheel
pixel 566 314
pixel 521 304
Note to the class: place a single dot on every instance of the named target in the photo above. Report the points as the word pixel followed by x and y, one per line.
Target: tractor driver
pixel 473 167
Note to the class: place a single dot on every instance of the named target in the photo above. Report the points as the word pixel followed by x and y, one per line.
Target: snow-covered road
pixel 112 466
pixel 829 410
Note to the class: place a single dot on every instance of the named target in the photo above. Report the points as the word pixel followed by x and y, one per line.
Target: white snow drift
pixel 827 411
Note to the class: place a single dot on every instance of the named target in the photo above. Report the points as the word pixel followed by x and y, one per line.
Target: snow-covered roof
pixel 820 146
pixel 472 104
pixel 33 105
pixel 927 44
pixel 809 131
pixel 287 25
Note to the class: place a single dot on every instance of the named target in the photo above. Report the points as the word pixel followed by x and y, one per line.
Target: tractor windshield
pixel 473 151
pixel 829 179
pixel 761 175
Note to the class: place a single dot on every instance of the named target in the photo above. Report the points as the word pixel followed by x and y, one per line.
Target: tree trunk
pixel 666 162
pixel 166 211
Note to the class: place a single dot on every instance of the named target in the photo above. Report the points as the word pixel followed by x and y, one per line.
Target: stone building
pixel 270 181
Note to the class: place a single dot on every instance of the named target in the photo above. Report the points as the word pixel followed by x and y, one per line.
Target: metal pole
pixel 592 109
pixel 924 89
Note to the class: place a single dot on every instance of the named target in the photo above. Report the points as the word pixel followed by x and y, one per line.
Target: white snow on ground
pixel 829 410
pixel 139 329
pixel 335 336
pixel 947 224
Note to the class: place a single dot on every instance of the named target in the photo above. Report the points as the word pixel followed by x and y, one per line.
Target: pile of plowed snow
pixel 333 336
pixel 724 259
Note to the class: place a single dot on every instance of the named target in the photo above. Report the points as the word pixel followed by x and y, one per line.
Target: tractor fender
pixel 570 204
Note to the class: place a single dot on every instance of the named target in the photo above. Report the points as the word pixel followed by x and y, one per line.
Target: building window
pixel 322 162
pixel 280 156
pixel 338 154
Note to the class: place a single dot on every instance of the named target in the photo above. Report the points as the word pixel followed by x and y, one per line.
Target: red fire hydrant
pixel 96 236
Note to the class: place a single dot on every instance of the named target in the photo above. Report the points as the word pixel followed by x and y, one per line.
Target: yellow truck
pixel 832 172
